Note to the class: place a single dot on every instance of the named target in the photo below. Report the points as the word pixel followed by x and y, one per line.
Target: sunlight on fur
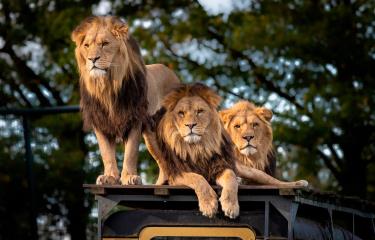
pixel 106 57
pixel 250 129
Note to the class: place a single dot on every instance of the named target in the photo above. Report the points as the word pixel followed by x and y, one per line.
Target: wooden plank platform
pixel 179 190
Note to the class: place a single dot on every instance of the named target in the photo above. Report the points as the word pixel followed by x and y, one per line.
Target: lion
pixel 117 90
pixel 250 130
pixel 192 148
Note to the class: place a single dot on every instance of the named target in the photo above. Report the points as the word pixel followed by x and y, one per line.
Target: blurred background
pixel 311 62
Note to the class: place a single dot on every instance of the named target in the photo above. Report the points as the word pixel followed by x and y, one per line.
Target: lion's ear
pixel 226 116
pixel 264 112
pixel 78 35
pixel 120 29
pixel 79 32
pixel 170 100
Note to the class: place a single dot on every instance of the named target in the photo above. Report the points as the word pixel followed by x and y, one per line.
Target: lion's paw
pixel 230 207
pixel 208 207
pixel 208 204
pixel 131 180
pixel 302 183
pixel 107 180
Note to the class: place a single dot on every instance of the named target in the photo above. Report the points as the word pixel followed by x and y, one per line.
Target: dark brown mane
pixel 130 108
pixel 212 161
pixel 209 168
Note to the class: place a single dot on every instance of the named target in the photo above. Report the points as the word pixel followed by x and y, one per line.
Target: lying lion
pixel 117 91
pixel 250 130
pixel 193 149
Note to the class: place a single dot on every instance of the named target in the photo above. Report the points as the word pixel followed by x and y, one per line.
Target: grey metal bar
pixel 30 178
pixel 331 223
pixel 99 199
pixel 292 220
pixel 334 207
pixel 266 219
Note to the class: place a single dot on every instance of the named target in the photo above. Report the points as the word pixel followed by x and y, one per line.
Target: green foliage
pixel 311 62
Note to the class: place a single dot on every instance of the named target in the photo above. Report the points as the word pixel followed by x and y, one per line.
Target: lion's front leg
pixel 261 177
pixel 207 197
pixel 108 152
pixel 129 174
pixel 229 195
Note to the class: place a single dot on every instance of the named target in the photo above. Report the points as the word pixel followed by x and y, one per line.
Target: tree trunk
pixel 354 174
pixel 354 171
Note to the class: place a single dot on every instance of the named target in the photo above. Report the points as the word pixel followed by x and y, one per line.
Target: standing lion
pixel 117 91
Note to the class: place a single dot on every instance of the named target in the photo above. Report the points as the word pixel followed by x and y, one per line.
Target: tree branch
pixel 27 76
pixel 15 87
pixel 260 77
pixel 207 72
pixel 330 166
pixel 338 160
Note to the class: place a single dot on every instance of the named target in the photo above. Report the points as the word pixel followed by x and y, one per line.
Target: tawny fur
pixel 194 156
pixel 209 158
pixel 117 91
pixel 239 122
pixel 242 120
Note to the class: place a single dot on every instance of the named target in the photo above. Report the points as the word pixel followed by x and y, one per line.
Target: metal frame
pixel 287 202
pixel 108 202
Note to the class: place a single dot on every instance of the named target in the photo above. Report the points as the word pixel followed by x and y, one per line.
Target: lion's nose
pixel 248 137
pixel 93 59
pixel 191 125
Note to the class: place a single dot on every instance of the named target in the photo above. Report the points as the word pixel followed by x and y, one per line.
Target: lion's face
pixel 106 56
pixel 192 116
pixel 249 127
pixel 248 132
pixel 191 123
pixel 100 52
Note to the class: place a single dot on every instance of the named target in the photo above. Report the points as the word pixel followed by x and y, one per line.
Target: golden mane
pixel 244 109
pixel 126 64
pixel 200 157
pixel 115 100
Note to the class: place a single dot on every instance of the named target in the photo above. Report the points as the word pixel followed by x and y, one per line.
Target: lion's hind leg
pixel 229 195
pixel 207 197
pixel 258 176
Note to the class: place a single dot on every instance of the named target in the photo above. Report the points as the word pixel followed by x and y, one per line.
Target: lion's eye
pixel 255 125
pixel 237 126
pixel 86 45
pixel 200 111
pixel 181 114
pixel 105 44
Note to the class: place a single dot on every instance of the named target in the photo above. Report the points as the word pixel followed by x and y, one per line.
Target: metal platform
pixel 266 212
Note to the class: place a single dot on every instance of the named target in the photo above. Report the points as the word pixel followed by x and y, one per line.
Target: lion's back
pixel 160 80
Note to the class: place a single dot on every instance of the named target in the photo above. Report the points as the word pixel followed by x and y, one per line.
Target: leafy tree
pixel 38 70
pixel 311 62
